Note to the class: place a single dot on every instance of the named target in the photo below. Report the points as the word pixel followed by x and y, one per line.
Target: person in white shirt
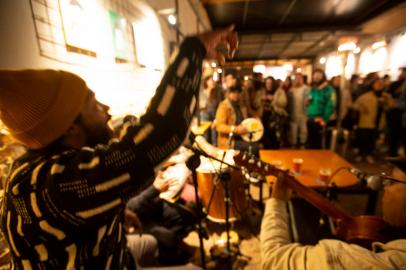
pixel 297 111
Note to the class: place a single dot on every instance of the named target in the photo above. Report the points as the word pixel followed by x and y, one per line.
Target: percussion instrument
pixel 255 129
pixel 212 190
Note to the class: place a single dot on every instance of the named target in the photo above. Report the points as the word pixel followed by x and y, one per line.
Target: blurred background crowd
pixel 302 112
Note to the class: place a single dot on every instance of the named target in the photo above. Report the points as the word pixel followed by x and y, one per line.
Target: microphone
pixel 230 135
pixel 358 173
pixel 199 145
pixel 373 181
pixel 189 140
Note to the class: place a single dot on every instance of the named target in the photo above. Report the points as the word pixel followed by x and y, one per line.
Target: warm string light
pixel 378 44
pixel 346 47
pixel 172 19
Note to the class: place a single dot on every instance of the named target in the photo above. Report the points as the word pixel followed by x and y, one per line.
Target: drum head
pixel 254 127
pixel 211 166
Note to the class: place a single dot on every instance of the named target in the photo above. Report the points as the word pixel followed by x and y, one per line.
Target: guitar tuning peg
pixel 266 167
pixel 244 156
pixel 259 164
pixel 251 161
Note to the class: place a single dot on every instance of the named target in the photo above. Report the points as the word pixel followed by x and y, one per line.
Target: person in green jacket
pixel 320 107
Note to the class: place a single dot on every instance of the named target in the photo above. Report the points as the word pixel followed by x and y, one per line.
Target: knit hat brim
pixel 69 96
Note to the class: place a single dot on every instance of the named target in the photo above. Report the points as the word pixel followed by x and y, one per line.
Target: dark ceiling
pixel 281 29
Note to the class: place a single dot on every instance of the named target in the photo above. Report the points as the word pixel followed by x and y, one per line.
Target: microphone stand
pixel 202 153
pixel 250 134
pixel 192 163
pixel 225 178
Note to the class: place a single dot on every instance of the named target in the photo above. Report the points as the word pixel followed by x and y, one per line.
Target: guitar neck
pixel 253 164
pixel 316 199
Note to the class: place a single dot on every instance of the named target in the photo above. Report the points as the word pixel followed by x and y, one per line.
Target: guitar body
pixel 364 230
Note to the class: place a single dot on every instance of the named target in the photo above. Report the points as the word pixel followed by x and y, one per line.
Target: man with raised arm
pixel 65 199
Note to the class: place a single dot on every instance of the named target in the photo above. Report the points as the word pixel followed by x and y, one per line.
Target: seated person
pixel 278 252
pixel 144 248
pixel 229 116
pixel 167 222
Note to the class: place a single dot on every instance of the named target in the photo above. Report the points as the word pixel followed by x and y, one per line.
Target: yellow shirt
pixel 367 105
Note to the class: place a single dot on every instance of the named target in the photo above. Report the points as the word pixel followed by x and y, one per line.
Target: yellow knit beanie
pixel 38 106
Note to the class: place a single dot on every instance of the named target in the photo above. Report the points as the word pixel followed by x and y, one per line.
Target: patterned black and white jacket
pixel 63 209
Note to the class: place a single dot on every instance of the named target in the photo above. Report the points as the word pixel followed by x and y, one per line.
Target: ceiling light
pixel 348 46
pixel 259 68
pixel 215 76
pixel 378 44
pixel 323 60
pixel 172 19
pixel 357 50
pixel 288 67
pixel 166 11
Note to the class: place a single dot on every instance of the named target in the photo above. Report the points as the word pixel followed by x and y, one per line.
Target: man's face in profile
pixel 93 119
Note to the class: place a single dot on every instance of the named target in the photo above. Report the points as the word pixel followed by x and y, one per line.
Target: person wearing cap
pixel 278 252
pixel 209 98
pixel 230 113
pixel 65 199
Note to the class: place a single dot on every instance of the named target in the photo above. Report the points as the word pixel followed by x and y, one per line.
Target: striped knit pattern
pixel 64 208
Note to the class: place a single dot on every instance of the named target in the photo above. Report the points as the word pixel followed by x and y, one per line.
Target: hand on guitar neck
pixel 280 190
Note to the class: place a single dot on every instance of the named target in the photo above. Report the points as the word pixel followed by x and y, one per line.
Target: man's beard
pixel 100 135
pixel 319 82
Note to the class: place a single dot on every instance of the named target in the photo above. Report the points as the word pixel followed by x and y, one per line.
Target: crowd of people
pixel 77 197
pixel 297 113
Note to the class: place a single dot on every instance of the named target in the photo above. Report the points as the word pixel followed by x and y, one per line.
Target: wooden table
pixel 313 161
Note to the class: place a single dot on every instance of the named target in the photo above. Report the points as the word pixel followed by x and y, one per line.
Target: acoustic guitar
pixel 361 230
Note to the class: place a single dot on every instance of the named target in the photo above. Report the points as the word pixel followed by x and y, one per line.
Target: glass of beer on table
pixel 324 175
pixel 297 165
